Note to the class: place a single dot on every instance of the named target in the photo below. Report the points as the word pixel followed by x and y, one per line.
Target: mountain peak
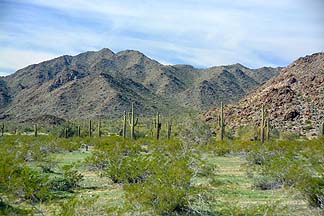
pixel 106 51
pixel 316 58
pixel 130 53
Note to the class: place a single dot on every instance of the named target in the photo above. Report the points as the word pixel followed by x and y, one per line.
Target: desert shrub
pixel 294 163
pixel 22 176
pixel 156 175
pixel 60 130
pixel 246 133
pixel 205 169
pixel 275 133
pixel 221 148
pixel 69 180
pixel 31 185
pixel 266 183
pixel 195 130
pixel 227 146
pixel 288 136
pixel 313 190
pixel 18 181
pixel 114 156
pixel 7 209
pixel 71 144
pixel 167 187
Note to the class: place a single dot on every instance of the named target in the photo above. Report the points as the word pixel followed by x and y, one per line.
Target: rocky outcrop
pixel 294 100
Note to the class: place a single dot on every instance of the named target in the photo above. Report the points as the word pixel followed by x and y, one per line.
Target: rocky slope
pixel 294 100
pixel 104 83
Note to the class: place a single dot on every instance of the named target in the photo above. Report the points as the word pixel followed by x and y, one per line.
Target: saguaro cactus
pixel 158 125
pixel 268 129
pixel 262 125
pixel 124 125
pixel 132 122
pixel 169 125
pixel 66 132
pixel 322 129
pixel 222 122
pixel 79 131
pixel 90 128
pixel 2 128
pixel 35 130
pixel 99 128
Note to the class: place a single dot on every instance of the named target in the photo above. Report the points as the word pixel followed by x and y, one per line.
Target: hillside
pixel 104 83
pixel 294 100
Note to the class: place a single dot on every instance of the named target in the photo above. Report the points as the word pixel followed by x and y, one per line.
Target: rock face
pixel 104 83
pixel 294 99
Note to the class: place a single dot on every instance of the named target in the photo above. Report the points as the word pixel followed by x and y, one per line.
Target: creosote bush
pixel 69 180
pixel 293 163
pixel 156 175
pixel 25 169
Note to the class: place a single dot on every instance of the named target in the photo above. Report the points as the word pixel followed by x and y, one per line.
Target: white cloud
pixel 15 58
pixel 204 33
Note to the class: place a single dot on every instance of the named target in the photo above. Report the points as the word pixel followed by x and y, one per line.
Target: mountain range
pixel 104 84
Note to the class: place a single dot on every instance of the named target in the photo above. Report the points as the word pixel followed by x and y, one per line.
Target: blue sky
pixel 205 33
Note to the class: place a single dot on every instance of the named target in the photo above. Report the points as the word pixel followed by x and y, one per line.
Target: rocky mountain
pixel 294 100
pixel 104 83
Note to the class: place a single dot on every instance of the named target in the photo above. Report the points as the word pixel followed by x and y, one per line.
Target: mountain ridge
pixel 104 83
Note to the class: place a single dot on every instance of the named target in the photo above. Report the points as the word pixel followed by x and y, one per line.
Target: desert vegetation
pixel 159 166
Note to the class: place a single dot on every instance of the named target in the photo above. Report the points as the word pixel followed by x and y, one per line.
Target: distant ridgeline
pixel 104 84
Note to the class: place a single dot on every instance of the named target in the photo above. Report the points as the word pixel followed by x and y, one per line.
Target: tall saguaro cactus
pixel 35 130
pixel 90 129
pixel 158 125
pixel 124 125
pixel 79 131
pixel 2 128
pixel 132 122
pixel 169 125
pixel 262 125
pixel 322 129
pixel 268 129
pixel 66 132
pixel 99 128
pixel 222 122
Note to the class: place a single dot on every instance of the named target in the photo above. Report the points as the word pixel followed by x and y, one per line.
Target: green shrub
pixel 266 183
pixel 71 144
pixel 246 133
pixel 313 190
pixel 194 130
pixel 62 130
pixel 156 175
pixel 70 179
pixel 167 187
pixel 288 136
pixel 115 156
pixel 23 160
pixel 294 163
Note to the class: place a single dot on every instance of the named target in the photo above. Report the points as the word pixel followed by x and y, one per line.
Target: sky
pixel 205 33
